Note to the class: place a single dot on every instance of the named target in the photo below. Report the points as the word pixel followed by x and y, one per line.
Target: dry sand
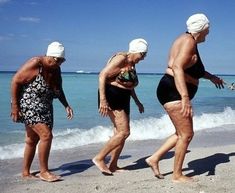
pixel 210 159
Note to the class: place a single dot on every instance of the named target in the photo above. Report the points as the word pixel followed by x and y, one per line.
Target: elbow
pixel 176 69
pixel 102 77
pixel 16 81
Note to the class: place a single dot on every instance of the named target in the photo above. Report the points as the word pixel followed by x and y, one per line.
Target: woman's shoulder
pixel 185 38
pixel 124 54
pixel 185 41
pixel 28 70
pixel 31 63
pixel 119 57
pixel 34 59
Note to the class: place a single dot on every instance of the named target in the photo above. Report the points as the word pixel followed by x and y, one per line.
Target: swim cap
pixel 197 23
pixel 56 49
pixel 138 45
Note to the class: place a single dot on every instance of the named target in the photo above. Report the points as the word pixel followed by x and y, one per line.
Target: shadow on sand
pixel 197 167
pixel 206 165
pixel 79 166
pixel 141 164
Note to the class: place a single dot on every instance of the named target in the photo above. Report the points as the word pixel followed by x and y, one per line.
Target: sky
pixel 93 30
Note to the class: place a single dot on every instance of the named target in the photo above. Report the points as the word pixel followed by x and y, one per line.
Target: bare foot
pixel 29 176
pixel 182 179
pixel 155 168
pixel 116 169
pixel 49 177
pixel 102 167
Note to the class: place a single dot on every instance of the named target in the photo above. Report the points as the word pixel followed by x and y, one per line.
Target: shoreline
pixel 210 159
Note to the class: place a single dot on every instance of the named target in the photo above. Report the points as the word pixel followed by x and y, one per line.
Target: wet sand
pixel 210 160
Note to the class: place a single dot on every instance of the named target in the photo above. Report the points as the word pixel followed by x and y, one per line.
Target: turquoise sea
pixel 212 108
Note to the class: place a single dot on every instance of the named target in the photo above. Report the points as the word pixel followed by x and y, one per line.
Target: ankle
pixel 44 171
pixel 24 174
pixel 152 160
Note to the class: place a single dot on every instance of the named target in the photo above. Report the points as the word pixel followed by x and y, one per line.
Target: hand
pixel 69 111
pixel 219 83
pixel 141 107
pixel 15 113
pixel 231 86
pixel 186 108
pixel 104 108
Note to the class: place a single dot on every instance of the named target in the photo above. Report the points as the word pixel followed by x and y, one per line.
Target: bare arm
pixel 137 102
pixel 23 76
pixel 110 70
pixel 187 77
pixel 62 98
pixel 182 61
pixel 218 82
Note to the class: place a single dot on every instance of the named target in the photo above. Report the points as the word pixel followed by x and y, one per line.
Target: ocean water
pixel 212 108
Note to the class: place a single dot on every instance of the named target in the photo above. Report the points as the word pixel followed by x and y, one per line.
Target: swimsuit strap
pixel 119 53
pixel 190 34
pixel 40 68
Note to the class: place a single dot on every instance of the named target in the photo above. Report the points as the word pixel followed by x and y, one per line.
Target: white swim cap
pixel 197 23
pixel 56 49
pixel 138 45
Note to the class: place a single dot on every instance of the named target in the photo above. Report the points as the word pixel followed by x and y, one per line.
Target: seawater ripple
pixel 141 129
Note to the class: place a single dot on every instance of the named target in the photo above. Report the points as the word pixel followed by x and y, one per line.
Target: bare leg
pixel 184 130
pixel 115 153
pixel 114 158
pixel 153 160
pixel 31 140
pixel 44 146
pixel 121 122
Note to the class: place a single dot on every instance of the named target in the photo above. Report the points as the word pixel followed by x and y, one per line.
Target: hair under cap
pixel 56 49
pixel 197 23
pixel 138 45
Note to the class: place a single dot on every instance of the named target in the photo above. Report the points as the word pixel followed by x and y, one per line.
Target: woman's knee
pixel 122 129
pixel 124 134
pixel 31 141
pixel 43 131
pixel 187 136
pixel 31 137
pixel 46 136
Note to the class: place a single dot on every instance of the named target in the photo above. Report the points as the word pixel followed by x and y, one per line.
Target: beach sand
pixel 210 160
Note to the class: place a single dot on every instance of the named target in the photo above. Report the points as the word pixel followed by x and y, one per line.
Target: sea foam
pixel 142 129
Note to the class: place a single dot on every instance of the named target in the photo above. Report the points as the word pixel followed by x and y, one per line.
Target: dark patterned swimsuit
pixel 36 102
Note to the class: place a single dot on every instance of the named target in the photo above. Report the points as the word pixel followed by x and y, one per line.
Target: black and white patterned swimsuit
pixel 36 102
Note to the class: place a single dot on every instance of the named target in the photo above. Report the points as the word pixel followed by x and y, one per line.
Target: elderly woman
pixel 33 88
pixel 116 85
pixel 176 89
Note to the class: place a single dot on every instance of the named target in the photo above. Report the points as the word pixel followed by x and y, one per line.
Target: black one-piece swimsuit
pixel 167 91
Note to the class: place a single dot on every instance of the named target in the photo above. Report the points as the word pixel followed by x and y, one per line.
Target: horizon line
pixel 90 72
